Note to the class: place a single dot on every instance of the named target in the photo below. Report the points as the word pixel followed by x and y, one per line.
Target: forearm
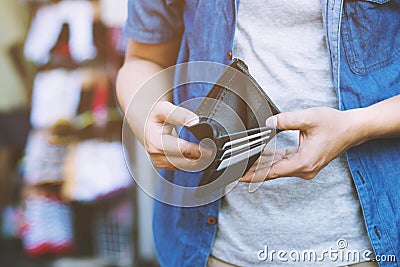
pixel 381 120
pixel 326 133
pixel 132 86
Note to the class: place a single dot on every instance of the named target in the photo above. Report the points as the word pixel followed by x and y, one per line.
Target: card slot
pixel 238 158
pixel 241 151
pixel 237 149
pixel 246 138
pixel 233 136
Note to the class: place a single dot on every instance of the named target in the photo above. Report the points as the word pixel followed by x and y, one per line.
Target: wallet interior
pixel 233 116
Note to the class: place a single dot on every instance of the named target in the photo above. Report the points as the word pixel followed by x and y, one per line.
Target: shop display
pixel 74 156
pixel 47 25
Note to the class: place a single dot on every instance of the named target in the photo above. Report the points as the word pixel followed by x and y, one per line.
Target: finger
pixel 255 176
pixel 178 163
pixel 270 152
pixel 290 120
pixel 258 172
pixel 264 161
pixel 161 162
pixel 288 152
pixel 169 113
pixel 279 151
pixel 286 167
pixel 174 146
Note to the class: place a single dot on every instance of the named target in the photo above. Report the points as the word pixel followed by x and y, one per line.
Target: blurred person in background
pixel 314 58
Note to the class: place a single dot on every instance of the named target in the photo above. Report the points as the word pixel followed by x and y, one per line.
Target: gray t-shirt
pixel 283 42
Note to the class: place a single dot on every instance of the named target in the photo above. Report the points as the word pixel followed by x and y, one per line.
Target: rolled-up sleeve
pixel 154 21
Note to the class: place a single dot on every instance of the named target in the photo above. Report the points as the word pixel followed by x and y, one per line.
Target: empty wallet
pixel 233 116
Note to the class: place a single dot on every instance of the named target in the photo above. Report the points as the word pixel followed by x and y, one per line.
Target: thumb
pixel 289 121
pixel 175 115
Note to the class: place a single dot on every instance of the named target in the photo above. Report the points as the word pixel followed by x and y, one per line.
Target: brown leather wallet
pixel 233 116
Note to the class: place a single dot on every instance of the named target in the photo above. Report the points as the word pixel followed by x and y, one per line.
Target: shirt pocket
pixel 371 34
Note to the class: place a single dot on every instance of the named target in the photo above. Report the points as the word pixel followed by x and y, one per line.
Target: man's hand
pixel 161 142
pixel 325 133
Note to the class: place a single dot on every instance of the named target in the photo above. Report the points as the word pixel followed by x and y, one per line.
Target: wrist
pixel 359 126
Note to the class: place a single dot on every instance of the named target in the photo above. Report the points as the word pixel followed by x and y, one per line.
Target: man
pixel 285 41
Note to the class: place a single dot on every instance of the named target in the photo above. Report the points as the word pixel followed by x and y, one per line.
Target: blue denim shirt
pixel 363 38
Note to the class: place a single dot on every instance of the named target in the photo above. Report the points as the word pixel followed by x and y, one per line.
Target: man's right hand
pixel 161 142
pixel 155 129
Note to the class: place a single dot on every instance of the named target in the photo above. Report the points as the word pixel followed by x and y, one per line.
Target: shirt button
pixel 229 54
pixel 211 220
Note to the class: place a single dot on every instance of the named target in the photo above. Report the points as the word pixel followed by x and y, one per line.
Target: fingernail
pixel 192 121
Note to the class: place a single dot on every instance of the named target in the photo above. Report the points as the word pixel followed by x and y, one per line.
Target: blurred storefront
pixel 66 195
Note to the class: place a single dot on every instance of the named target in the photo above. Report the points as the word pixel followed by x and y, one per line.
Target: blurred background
pixel 66 196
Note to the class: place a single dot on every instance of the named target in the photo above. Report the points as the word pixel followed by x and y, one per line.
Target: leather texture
pixel 235 107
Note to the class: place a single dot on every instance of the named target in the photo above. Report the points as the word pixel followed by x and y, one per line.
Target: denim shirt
pixel 363 38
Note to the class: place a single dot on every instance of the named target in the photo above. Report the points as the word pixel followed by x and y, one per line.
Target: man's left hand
pixel 324 134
